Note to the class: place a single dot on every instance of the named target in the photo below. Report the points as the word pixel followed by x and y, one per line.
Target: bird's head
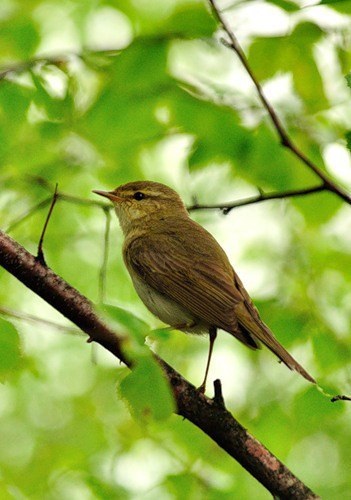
pixel 136 202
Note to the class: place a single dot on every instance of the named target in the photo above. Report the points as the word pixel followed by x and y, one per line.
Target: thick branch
pixel 207 414
pixel 283 134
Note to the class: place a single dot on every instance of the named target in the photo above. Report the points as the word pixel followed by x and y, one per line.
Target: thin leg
pixel 213 334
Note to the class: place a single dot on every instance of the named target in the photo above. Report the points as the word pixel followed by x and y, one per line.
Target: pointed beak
pixel 108 194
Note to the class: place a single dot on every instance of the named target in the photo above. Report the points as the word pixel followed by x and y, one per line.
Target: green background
pixel 104 92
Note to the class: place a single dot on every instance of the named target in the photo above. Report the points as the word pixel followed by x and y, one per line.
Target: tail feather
pixel 259 331
pixel 273 344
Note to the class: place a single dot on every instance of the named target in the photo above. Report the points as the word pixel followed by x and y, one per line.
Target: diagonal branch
pixel 209 415
pixel 285 139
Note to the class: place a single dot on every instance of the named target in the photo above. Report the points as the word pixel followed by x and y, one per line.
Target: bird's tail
pixel 272 343
pixel 255 327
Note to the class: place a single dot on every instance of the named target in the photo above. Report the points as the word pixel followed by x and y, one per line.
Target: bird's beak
pixel 108 194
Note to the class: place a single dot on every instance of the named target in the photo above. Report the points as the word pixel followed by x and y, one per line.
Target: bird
pixel 182 274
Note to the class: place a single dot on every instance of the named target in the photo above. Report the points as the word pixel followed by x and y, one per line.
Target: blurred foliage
pixel 95 93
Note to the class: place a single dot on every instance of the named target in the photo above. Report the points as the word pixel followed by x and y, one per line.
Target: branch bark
pixel 209 415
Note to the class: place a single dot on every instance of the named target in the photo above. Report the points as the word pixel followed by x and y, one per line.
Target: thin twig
pixel 23 66
pixel 84 201
pixel 28 213
pixel 40 254
pixel 60 196
pixel 227 207
pixel 36 319
pixel 103 269
pixel 55 60
pixel 285 139
pixel 340 397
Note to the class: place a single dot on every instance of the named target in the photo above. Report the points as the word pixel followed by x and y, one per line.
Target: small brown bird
pixel 182 274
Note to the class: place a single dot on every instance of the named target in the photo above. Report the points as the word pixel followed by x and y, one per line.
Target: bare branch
pixel 285 139
pixel 207 414
pixel 227 207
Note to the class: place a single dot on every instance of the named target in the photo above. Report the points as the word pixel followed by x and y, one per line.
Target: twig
pixel 55 60
pixel 36 319
pixel 103 269
pixel 83 201
pixel 340 397
pixel 212 419
pixel 286 141
pixel 23 66
pixel 25 215
pixel 60 196
pixel 227 207
pixel 40 254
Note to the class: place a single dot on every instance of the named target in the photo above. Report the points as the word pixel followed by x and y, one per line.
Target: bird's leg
pixel 213 334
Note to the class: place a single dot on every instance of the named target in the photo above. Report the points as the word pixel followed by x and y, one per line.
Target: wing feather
pixel 199 279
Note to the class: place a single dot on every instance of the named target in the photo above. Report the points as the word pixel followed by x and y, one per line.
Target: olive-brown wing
pixel 197 280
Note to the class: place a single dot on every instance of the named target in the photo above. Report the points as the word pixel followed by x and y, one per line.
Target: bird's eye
pixel 138 195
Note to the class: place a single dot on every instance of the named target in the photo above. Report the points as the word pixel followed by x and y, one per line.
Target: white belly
pixel 165 309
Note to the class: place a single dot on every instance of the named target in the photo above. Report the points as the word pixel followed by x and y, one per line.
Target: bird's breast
pixel 160 305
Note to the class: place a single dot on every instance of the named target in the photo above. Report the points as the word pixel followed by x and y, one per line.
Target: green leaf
pixel 191 20
pixel 53 107
pixel 285 5
pixel 161 334
pixel 5 491
pixel 134 325
pixel 292 54
pixel 10 354
pixel 130 99
pixel 187 19
pixel 19 35
pixel 348 79
pixel 310 404
pixel 343 6
pixel 330 352
pixel 319 208
pixel 218 135
pixel 184 485
pixel 147 391
pixel 14 104
pixel 348 140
